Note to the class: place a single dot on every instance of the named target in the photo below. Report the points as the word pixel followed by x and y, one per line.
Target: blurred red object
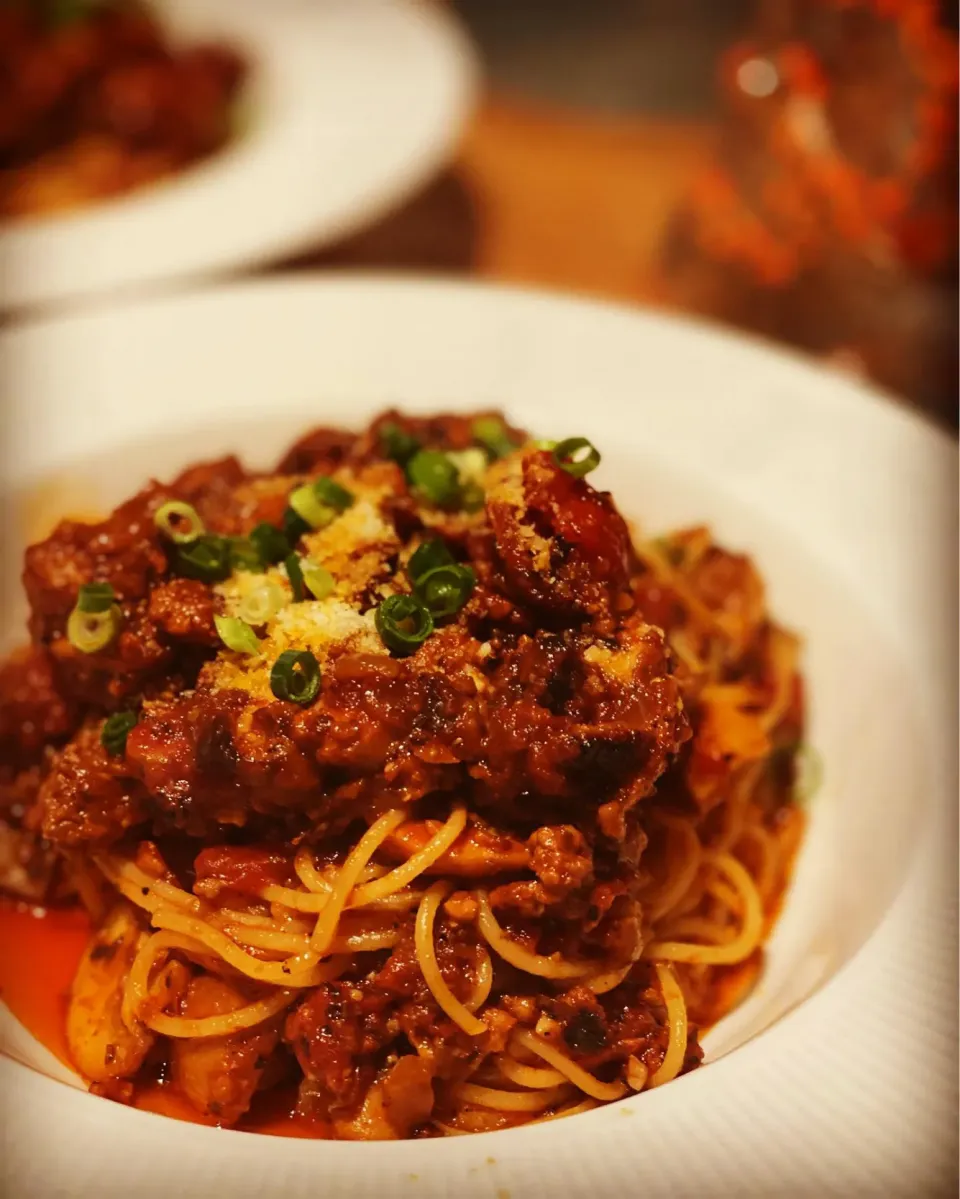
pixel 829 215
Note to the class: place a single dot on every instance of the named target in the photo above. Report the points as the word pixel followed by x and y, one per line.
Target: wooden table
pixel 544 197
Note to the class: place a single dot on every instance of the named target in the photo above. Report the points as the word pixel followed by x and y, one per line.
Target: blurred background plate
pixel 350 106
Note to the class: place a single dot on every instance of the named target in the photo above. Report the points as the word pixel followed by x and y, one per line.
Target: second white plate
pixel 350 105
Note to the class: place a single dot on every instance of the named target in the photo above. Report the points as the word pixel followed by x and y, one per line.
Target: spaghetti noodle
pixel 484 836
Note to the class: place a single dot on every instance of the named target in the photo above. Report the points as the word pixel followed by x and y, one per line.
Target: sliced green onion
pixel 472 497
pixel 403 624
pixel 543 443
pixel 471 464
pixel 91 632
pixel 262 603
pixel 292 566
pixel 577 456
pixel 426 557
pixel 294 527
pixel 397 444
pixel 435 476
pixel 329 492
pixel 319 502
pixel 445 589
pixel 237 635
pixel 206 559
pixel 296 677
pixel 271 544
pixel 808 767
pixel 244 555
pixel 320 582
pixel 310 508
pixel 179 522
pixel 95 597
pixel 116 729
pixel 491 432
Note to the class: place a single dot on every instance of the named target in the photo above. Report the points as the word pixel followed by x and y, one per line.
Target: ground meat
pixel 124 550
pixel 33 711
pixel 562 544
pixel 601 1032
pixel 560 858
pixel 88 796
pixel 341 1030
pixel 317 452
pixel 183 610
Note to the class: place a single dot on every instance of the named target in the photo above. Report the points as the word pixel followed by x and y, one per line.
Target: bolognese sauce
pixel 402 786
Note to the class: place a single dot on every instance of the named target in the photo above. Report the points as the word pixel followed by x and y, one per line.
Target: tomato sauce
pixel 40 949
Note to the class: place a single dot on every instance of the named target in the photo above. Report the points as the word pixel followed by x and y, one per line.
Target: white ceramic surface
pixel 349 107
pixel 838 1077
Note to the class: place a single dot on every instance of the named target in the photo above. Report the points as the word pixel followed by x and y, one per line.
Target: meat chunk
pixel 124 550
pixel 219 1075
pixel 89 797
pixel 560 858
pixel 33 711
pixel 334 1037
pixel 341 1030
pixel 562 544
pixel 318 452
pixel 183 610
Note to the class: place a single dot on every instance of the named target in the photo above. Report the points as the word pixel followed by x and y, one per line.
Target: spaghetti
pixel 481 837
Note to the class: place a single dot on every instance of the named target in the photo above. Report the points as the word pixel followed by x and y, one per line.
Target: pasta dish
pixel 402 785
pixel 97 100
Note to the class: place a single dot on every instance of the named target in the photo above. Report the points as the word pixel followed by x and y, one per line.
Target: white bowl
pixel 349 106
pixel 838 1075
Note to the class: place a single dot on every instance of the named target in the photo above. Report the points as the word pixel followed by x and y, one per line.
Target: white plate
pixel 838 1076
pixel 349 106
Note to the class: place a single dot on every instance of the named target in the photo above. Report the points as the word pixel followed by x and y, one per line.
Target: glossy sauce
pixel 40 950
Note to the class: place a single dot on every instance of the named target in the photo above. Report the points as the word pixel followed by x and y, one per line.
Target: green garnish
pixel 577 456
pixel 296 677
pixel 116 729
pixel 320 582
pixel 492 434
pixel 319 502
pixel 262 603
pixel 472 497
pixel 427 557
pixel 403 624
pixel 90 632
pixel 445 589
pixel 397 444
pixel 295 575
pixel 270 543
pixel 435 476
pixel 179 522
pixel 237 635
pixel 294 527
pixel 206 559
pixel 95 597
pixel 244 555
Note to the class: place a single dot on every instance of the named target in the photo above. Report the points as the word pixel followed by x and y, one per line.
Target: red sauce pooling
pixel 40 950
